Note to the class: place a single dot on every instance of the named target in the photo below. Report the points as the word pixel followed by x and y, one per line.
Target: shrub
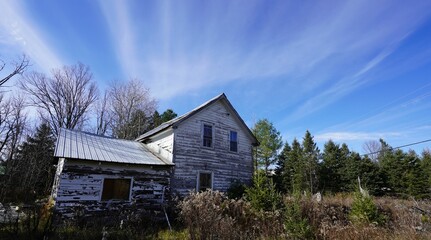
pixel 296 225
pixel 364 211
pixel 263 195
pixel 236 190
pixel 211 215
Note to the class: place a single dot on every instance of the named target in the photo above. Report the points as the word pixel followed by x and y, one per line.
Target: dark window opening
pixel 208 135
pixel 116 189
pixel 205 181
pixel 233 141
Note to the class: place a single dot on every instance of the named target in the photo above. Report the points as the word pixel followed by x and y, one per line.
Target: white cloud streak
pixel 356 136
pixel 119 21
pixel 189 48
pixel 18 31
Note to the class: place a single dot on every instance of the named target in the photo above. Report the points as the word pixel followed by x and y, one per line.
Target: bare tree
pixel 103 115
pixel 19 68
pixel 12 124
pixel 63 99
pixel 372 149
pixel 131 106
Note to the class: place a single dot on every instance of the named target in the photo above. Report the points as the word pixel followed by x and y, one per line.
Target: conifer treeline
pixel 301 166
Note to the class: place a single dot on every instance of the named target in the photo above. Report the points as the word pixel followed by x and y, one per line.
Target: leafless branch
pixel 19 68
pixel 65 98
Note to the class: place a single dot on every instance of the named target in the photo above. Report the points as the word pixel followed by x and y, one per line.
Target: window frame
pixel 198 177
pixel 116 178
pixel 203 134
pixel 230 141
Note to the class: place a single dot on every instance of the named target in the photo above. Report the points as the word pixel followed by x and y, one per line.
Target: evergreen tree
pixel 167 115
pixel 385 150
pixel 371 176
pixel 310 155
pixel 426 166
pixel 270 142
pixel 351 170
pixel 331 168
pixel 416 179
pixel 156 120
pixel 32 173
pixel 295 165
pixel 393 168
pixel 283 170
pixel 344 156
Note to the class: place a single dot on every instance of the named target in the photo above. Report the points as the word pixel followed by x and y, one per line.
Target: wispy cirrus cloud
pixel 18 31
pixel 184 48
pixel 355 136
pixel 340 88
pixel 415 103
pixel 402 121
pixel 120 24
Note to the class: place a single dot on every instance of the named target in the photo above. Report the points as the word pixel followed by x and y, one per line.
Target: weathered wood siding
pixel 81 182
pixel 162 144
pixel 54 190
pixel 191 157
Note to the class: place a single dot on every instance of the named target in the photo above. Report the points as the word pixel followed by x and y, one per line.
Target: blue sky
pixel 351 71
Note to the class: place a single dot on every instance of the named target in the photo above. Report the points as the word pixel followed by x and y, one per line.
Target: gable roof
pixel 176 121
pixel 87 146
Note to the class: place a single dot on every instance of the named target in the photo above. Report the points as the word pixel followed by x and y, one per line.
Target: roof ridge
pixel 178 119
pixel 96 135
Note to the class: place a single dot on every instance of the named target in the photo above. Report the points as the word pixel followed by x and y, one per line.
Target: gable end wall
pixel 191 157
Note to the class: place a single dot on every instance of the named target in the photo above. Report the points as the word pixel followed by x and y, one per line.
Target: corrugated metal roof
pixel 87 146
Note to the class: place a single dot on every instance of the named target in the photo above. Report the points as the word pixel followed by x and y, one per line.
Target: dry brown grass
pixel 406 219
pixel 222 218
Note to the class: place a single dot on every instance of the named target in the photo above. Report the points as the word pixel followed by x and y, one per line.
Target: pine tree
pixel 156 120
pixel 310 155
pixel 351 170
pixel 270 142
pixel 331 167
pixel 345 169
pixel 416 179
pixel 296 166
pixel 426 166
pixel 371 176
pixel 393 168
pixel 283 171
pixel 32 178
pixel 168 115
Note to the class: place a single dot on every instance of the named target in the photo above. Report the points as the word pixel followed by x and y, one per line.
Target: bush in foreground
pixel 211 215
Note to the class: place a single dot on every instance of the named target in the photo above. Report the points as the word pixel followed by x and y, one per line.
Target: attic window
pixel 207 135
pixel 116 189
pixel 233 141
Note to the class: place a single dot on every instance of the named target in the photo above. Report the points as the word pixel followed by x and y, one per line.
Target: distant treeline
pixel 303 167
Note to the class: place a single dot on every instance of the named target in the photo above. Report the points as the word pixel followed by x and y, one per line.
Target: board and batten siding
pixel 191 157
pixel 81 182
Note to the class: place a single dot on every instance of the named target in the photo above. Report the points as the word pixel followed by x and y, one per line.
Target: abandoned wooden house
pixel 206 148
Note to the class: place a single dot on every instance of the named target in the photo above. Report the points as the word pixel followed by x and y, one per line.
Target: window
pixel 208 135
pixel 233 141
pixel 204 181
pixel 116 189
